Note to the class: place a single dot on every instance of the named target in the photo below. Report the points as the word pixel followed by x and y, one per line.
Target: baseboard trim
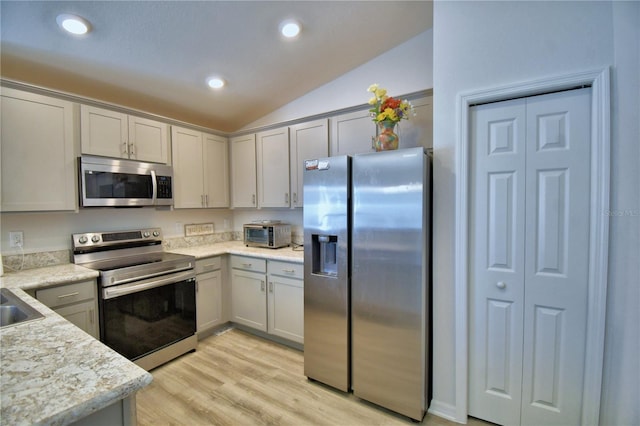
pixel 444 410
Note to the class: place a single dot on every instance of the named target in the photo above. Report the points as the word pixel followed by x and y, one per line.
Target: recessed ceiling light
pixel 73 24
pixel 215 82
pixel 290 28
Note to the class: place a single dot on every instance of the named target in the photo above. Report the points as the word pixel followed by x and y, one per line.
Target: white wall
pixel 52 231
pixel 621 385
pixel 481 45
pixel 407 68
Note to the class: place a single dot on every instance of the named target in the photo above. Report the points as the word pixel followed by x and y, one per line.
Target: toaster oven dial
pixel 95 238
pixel 83 239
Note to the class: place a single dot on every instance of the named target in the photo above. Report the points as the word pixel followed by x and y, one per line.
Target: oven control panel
pixel 120 238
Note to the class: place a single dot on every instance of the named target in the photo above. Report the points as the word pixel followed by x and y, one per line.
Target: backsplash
pixel 19 262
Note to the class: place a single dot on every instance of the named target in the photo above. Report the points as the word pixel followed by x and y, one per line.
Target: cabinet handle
pixel 202 200
pixel 247 265
pixel 91 318
pixel 124 148
pixel 253 199
pixel 286 198
pixel 206 200
pixel 270 287
pixel 62 296
pixel 132 150
pixel 295 197
pixel 261 285
pixel 501 284
pixel 289 271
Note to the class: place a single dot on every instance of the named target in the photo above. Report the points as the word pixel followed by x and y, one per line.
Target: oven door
pixel 256 235
pixel 142 317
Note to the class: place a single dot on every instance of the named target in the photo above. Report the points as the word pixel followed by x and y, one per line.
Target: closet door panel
pixel 497 261
pixel 557 247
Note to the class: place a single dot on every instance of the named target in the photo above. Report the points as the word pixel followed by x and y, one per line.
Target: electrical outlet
pixel 16 239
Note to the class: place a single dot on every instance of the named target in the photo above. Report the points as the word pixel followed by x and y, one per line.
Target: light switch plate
pixel 198 229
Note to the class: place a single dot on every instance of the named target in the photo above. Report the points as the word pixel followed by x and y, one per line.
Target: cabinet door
pixel 249 299
pixel 243 171
pixel 188 176
pixel 209 300
pixel 417 130
pixel 104 132
pixel 286 308
pixel 272 149
pixel 38 134
pixel 351 133
pixel 82 315
pixel 148 140
pixel 308 140
pixel 216 170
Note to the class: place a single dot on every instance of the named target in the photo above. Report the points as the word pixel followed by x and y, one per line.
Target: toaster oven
pixel 267 234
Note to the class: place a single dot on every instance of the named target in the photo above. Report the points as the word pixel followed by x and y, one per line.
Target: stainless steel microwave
pixel 109 182
pixel 267 234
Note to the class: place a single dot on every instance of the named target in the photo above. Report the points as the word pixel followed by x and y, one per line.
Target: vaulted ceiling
pixel 156 55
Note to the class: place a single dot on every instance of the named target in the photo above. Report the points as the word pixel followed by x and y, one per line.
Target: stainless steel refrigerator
pixel 366 279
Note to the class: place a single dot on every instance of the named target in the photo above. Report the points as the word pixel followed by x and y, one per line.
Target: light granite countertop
pixel 287 254
pixel 53 373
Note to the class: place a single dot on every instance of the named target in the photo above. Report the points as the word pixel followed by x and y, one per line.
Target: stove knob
pixel 156 233
pixel 83 239
pixel 146 234
pixel 95 238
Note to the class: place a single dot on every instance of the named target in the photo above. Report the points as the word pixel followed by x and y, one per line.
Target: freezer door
pixel 326 270
pixel 389 280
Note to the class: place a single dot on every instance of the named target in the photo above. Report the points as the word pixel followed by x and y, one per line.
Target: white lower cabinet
pixel 248 292
pixel 286 300
pixel 209 311
pixel 268 296
pixel 76 302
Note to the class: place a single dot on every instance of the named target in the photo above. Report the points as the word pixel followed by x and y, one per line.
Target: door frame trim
pixel 599 80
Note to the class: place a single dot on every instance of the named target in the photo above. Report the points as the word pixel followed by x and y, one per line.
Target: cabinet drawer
pixel 286 269
pixel 207 265
pixel 65 294
pixel 249 263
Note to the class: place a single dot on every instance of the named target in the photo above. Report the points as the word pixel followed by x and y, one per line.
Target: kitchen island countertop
pixel 53 373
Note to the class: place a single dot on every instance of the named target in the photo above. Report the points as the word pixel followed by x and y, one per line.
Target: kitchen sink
pixel 14 310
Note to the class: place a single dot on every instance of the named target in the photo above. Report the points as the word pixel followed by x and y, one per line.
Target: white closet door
pixel 529 260
pixel 497 261
pixel 557 250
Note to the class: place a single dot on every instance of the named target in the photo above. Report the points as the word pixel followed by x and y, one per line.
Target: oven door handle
pixel 116 291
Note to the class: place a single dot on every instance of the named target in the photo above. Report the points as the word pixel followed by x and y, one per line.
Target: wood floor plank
pixel 235 378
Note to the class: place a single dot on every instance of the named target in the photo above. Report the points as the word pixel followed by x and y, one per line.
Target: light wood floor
pixel 235 378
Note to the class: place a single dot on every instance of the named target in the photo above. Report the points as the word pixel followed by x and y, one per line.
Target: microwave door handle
pixel 154 187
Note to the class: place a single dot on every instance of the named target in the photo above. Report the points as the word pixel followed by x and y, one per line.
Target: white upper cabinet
pixel 39 136
pixel 307 141
pixel 113 134
pixel 200 171
pixel 351 133
pixel 215 154
pixel 243 171
pixel 272 155
pixel 418 129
